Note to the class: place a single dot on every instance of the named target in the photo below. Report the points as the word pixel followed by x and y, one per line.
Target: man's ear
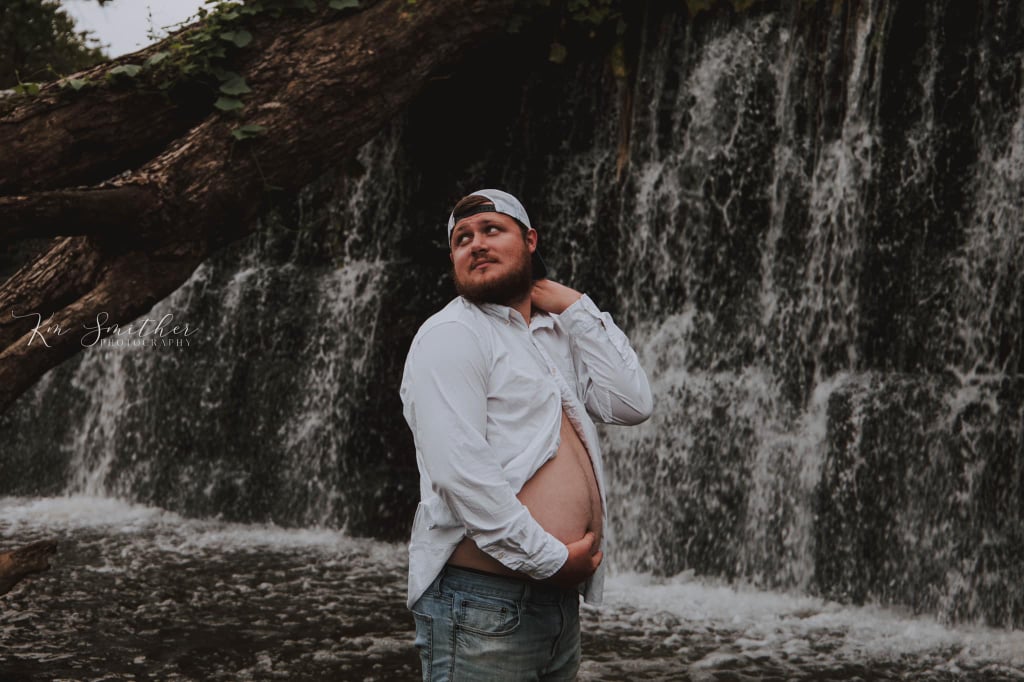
pixel 451 257
pixel 531 239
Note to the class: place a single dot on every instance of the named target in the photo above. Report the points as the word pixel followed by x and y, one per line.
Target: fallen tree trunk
pixel 21 563
pixel 136 191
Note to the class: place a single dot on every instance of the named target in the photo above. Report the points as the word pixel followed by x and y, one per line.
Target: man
pixel 499 390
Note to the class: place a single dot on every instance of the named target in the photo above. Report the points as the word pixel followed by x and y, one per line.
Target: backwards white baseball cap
pixel 501 202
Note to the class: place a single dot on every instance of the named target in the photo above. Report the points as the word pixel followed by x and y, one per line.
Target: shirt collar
pixel 508 314
pixel 542 320
pixel 502 312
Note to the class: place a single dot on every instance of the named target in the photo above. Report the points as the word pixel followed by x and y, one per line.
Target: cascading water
pixel 815 246
pixel 800 442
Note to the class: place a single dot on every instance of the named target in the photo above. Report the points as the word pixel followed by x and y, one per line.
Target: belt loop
pixel 441 577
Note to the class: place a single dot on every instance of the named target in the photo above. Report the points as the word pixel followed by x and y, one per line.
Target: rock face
pixel 17 565
pixel 808 219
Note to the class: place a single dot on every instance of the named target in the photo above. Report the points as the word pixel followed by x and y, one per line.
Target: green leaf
pixel 343 4
pixel 223 75
pixel 235 86
pixel 248 131
pixel 558 53
pixel 30 89
pixel 129 70
pixel 228 103
pixel 239 38
pixel 77 84
pixel 156 58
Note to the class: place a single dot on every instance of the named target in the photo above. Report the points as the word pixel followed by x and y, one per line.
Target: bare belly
pixel 562 496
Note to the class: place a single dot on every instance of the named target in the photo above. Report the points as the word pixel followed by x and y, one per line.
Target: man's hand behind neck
pixel 551 297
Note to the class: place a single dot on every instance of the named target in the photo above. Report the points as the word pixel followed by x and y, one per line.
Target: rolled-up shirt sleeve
pixel 615 386
pixel 445 391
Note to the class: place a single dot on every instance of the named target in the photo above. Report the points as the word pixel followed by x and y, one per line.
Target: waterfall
pixel 828 422
pixel 815 246
pixel 253 419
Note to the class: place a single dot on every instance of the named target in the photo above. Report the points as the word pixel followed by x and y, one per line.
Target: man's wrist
pixel 582 316
pixel 558 558
pixel 573 300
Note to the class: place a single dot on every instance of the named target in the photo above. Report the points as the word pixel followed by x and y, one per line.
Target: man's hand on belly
pixel 584 558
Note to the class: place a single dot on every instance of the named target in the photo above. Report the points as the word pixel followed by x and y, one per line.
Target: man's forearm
pixel 617 390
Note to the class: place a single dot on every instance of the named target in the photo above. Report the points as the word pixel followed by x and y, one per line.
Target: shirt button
pixel 508 321
pixel 554 371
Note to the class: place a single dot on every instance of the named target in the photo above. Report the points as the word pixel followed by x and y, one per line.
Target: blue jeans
pixel 476 627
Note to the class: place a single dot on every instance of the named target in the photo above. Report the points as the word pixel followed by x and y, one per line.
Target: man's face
pixel 491 261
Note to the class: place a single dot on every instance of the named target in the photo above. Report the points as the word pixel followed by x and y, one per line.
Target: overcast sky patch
pixel 125 26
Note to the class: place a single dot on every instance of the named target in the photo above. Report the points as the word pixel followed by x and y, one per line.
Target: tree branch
pixel 123 285
pixel 49 143
pixel 67 271
pixel 103 211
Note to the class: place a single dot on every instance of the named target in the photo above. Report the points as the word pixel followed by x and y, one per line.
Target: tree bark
pixel 137 191
pixel 21 563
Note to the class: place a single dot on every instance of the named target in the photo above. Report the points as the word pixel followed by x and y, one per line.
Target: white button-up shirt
pixel 483 394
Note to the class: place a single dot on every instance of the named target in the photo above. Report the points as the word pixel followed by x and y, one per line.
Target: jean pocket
pixel 486 615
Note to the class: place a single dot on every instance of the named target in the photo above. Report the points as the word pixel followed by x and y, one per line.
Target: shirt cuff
pixel 539 565
pixel 553 559
pixel 582 316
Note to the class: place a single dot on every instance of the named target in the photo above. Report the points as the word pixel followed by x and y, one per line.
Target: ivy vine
pixel 202 55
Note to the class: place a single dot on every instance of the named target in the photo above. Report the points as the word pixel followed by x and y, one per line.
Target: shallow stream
pixel 138 593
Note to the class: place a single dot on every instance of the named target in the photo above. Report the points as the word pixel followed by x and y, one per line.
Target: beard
pixel 510 288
